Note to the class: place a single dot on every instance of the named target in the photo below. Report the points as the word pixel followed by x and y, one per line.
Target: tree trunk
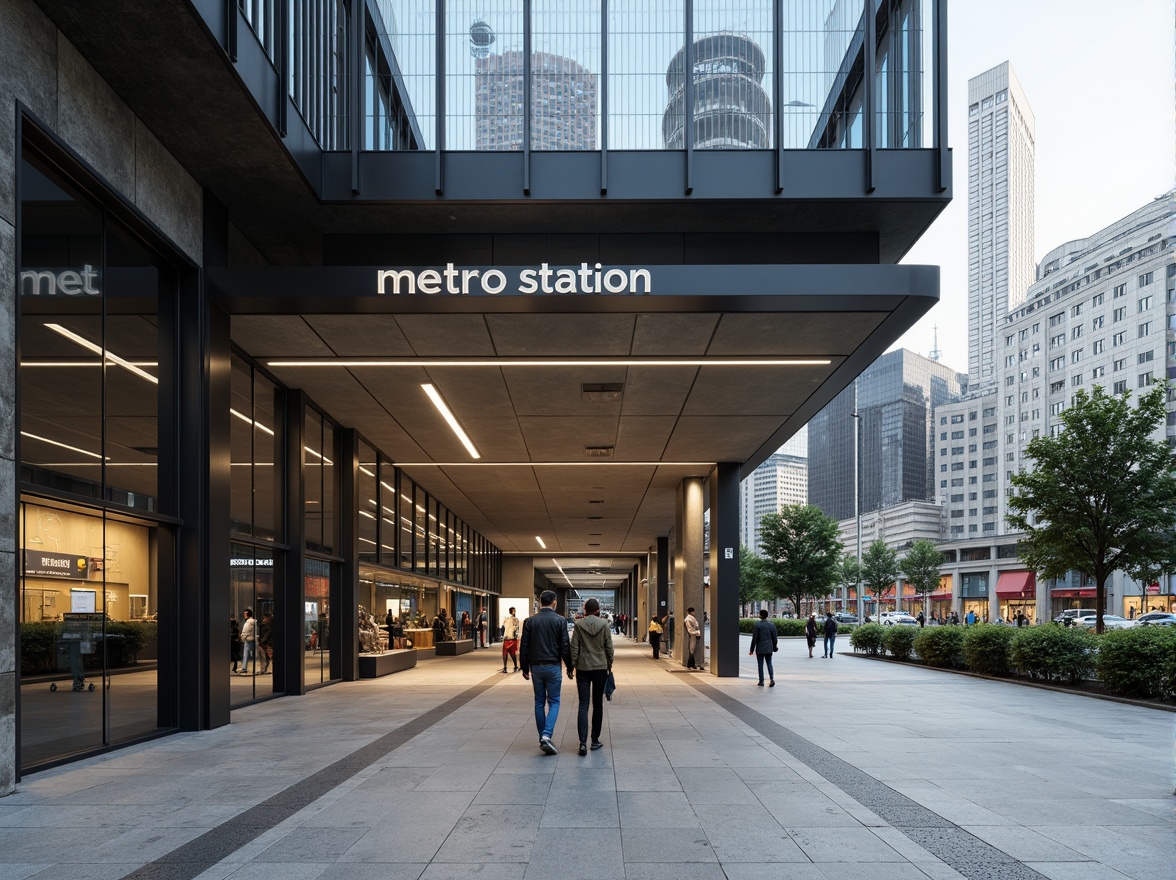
pixel 1100 598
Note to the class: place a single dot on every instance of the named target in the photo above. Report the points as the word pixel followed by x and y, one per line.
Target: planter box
pixel 376 665
pixel 452 649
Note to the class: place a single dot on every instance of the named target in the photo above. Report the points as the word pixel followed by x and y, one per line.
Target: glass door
pixel 252 633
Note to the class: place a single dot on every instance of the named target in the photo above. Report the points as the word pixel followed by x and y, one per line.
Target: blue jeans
pixel 829 640
pixel 546 680
pixel 760 660
pixel 248 653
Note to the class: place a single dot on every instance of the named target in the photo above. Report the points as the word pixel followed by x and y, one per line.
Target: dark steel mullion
pixel 282 47
pixel 603 97
pixel 688 94
pixel 869 46
pixel 938 92
pixel 231 29
pixel 439 76
pixel 358 32
pixel 778 80
pixel 526 97
pixel 103 498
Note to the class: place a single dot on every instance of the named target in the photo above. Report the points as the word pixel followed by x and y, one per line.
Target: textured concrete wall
pixel 43 71
pixel 688 566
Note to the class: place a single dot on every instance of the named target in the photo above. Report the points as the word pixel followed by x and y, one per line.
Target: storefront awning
pixel 1016 584
pixel 1072 594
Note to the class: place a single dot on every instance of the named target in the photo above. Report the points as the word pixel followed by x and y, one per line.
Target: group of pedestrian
pixel 251 640
pixel 545 650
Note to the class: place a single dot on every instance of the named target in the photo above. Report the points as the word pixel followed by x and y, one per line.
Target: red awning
pixel 1073 594
pixel 939 597
pixel 1016 584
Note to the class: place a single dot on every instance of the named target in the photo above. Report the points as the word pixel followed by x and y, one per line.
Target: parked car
pixel 844 617
pixel 1110 621
pixel 1157 618
pixel 1067 617
pixel 890 618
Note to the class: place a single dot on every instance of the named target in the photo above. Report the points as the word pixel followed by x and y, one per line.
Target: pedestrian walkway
pixel 847 770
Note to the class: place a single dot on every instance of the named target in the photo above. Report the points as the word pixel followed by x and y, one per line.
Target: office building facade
pixel 896 398
pixel 779 481
pixel 279 338
pixel 1000 213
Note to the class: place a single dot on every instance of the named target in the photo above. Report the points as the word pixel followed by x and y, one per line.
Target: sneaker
pixel 547 746
pixel 583 749
pixel 597 745
pixel 759 684
pixel 504 670
pixel 772 683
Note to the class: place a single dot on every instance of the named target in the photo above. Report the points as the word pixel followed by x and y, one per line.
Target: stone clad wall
pixel 43 71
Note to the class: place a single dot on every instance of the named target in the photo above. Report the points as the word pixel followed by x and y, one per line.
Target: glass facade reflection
pixel 617 82
pixel 895 398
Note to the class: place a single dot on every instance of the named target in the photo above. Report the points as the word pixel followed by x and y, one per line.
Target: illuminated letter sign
pixel 560 280
pixel 64 282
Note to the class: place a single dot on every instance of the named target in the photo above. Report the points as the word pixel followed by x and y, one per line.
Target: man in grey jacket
pixel 592 660
pixel 544 648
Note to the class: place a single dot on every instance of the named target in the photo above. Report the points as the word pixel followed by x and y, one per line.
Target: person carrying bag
pixel 592 660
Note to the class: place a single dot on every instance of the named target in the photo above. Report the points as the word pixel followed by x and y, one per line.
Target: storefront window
pixel 407 518
pixel 316 624
pixel 254 636
pixel 89 631
pixel 420 521
pixel 389 519
pixel 313 479
pixel 367 496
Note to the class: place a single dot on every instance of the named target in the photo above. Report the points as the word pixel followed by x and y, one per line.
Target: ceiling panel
pixel 591 335
pixel 361 335
pixel 447 335
pixel 662 335
pixel 473 391
pixel 752 391
pixel 551 438
pixel 555 390
pixel 794 334
pixel 698 438
pixel 643 438
pixel 279 336
pixel 657 391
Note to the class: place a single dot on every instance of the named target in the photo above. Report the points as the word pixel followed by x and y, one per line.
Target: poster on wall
pixel 83 601
pixel 44 563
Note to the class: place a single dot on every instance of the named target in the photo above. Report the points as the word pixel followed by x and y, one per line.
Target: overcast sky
pixel 1099 78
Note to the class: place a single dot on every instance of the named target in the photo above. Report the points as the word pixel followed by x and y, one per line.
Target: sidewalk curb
pixel 1144 704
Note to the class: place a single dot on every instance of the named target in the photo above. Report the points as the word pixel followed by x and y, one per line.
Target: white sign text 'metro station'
pixel 586 279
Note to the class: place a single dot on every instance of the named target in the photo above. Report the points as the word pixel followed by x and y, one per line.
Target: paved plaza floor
pixel 848 769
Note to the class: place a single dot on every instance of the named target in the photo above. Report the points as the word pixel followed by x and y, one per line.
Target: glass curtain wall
pixel 320 521
pixel 255 438
pixel 90 583
pixel 732 63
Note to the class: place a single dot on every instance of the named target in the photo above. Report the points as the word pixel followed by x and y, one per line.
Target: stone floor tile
pixel 666 845
pixel 824 844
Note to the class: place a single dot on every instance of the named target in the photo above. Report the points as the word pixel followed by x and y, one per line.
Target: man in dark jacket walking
pixel 830 634
pixel 543 649
pixel 764 645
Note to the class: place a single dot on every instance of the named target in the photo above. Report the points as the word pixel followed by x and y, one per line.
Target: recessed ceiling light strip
pixel 62 445
pixel 110 356
pixel 449 417
pixel 405 464
pixel 560 362
pixel 540 540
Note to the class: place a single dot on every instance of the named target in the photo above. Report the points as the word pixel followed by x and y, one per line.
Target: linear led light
pixel 365 471
pixel 110 356
pixel 564 573
pixel 250 421
pixel 318 455
pixel 408 464
pixel 435 396
pixel 562 362
pixel 540 540
pixel 80 364
pixel 62 445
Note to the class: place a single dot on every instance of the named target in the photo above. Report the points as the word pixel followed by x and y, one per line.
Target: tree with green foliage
pixel 751 578
pixel 1101 494
pixel 801 553
pixel 849 574
pixel 879 569
pixel 921 566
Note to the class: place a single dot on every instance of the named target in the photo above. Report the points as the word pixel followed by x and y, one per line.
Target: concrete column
pixel 8 597
pixel 724 570
pixel 688 589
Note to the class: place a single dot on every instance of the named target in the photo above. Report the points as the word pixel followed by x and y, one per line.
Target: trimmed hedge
pixel 900 641
pixel 986 648
pixel 1138 662
pixel 940 645
pixel 1053 653
pixel 786 627
pixel 38 648
pixel 869 637
pixel 124 640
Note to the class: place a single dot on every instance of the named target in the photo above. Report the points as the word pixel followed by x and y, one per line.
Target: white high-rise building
pixel 781 480
pixel 1001 264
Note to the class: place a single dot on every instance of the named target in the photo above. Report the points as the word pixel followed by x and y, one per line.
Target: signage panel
pixel 587 278
pixel 42 563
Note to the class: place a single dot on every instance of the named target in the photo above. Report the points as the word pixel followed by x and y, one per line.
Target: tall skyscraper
pixel 896 398
pixel 781 480
pixel 1000 213
pixel 563 98
pixel 731 108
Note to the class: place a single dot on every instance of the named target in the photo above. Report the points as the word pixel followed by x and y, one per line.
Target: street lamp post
pixel 857 504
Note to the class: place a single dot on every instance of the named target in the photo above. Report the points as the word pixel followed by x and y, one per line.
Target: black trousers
pixel 590 683
pixel 655 640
